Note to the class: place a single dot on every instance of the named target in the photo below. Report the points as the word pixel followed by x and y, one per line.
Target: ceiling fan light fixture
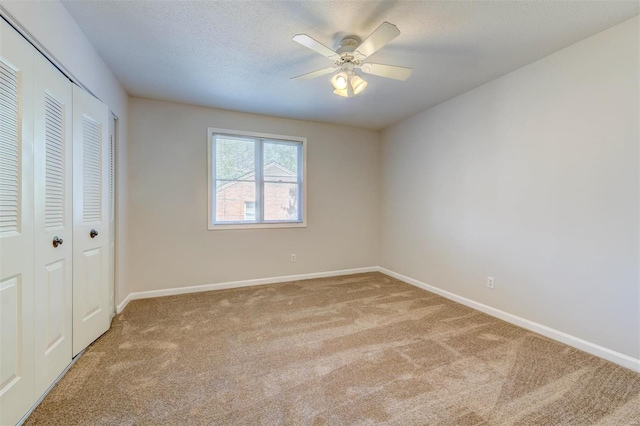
pixel 340 81
pixel 344 92
pixel 358 84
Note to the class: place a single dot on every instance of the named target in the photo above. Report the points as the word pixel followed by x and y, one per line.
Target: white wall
pixel 532 179
pixel 52 26
pixel 170 245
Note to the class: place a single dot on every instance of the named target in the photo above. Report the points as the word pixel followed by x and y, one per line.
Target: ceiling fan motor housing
pixel 348 44
pixel 346 51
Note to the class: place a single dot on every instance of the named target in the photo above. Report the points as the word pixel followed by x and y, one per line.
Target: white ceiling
pixel 239 55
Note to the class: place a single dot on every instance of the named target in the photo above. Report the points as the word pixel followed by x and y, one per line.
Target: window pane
pixel 280 162
pixel 235 158
pixel 231 199
pixel 281 201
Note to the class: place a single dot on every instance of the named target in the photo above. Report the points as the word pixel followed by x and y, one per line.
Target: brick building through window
pixel 236 201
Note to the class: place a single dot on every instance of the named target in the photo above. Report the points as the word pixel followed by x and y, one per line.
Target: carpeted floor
pixel 359 349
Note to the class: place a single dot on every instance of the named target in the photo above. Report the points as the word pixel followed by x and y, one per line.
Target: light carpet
pixel 357 349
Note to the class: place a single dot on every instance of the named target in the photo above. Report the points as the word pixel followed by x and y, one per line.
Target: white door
pixel 16 226
pixel 53 222
pixel 91 315
pixel 112 216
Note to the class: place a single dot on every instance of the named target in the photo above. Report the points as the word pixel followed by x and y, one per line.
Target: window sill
pixel 234 226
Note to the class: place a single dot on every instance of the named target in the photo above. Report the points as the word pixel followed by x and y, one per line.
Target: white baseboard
pixel 120 307
pixel 597 350
pixel 237 284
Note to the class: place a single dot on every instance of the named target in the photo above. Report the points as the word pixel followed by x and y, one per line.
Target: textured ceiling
pixel 239 55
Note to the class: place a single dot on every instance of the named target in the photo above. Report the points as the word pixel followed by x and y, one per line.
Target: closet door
pixel 91 315
pixel 112 217
pixel 53 222
pixel 16 226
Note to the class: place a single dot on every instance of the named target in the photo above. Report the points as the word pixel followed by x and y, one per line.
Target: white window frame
pixel 302 182
pixel 245 209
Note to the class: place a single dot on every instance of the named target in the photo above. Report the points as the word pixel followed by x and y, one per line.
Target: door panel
pixel 90 287
pixel 53 219
pixel 16 226
pixel 55 308
pixel 91 315
pixel 10 292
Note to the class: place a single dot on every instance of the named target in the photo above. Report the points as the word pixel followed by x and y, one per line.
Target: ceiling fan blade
pixel 381 36
pixel 389 71
pixel 315 45
pixel 315 74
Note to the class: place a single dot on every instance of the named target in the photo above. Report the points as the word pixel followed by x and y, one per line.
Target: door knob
pixel 93 233
pixel 57 241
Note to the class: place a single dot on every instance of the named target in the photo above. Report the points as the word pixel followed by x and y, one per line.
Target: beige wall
pixel 170 245
pixel 532 179
pixel 52 26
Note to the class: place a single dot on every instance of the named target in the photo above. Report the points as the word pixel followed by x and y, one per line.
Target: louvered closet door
pixel 53 222
pixel 16 226
pixel 91 315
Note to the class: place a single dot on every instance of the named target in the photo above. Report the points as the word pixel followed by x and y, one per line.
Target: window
pixel 256 180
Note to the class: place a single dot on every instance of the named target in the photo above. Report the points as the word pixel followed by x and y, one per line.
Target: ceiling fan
pixel 349 58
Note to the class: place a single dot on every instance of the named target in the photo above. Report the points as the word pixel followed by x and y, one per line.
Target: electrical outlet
pixel 490 283
pixel 293 257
